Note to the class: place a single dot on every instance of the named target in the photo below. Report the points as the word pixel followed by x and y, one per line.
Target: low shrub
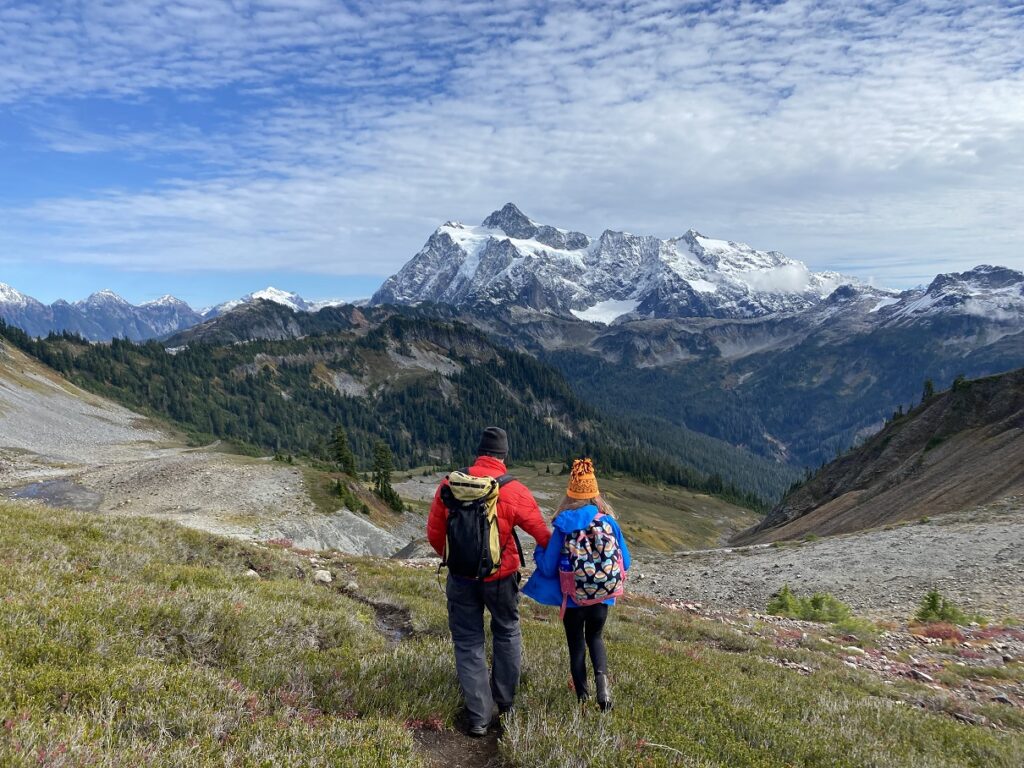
pixel 936 608
pixel 940 630
pixel 821 606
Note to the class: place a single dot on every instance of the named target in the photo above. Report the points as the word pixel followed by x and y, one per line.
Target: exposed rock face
pixel 961 448
pixel 260 319
pixel 511 260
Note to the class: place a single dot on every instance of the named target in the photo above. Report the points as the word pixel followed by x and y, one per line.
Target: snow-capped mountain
pixel 102 316
pixel 993 293
pixel 285 298
pixel 511 260
pixel 23 311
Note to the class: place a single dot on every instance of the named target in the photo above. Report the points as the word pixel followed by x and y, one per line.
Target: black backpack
pixel 472 546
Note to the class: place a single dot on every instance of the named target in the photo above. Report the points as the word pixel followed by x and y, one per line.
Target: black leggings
pixel 583 629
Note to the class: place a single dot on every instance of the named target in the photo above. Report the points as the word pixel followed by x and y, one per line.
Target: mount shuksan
pixel 511 260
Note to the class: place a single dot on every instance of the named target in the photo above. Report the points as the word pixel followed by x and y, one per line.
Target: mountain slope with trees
pixel 426 387
pixel 957 449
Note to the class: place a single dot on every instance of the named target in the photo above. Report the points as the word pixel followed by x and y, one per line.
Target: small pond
pixel 57 493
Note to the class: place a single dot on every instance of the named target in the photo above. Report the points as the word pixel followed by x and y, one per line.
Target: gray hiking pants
pixel 466 602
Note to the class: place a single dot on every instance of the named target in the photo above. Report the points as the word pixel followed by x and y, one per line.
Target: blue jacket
pixel 543 586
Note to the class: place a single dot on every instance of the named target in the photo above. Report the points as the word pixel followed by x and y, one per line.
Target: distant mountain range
pixel 509 261
pixel 105 315
pixel 694 333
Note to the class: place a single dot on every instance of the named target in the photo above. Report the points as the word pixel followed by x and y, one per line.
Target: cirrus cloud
pixel 885 140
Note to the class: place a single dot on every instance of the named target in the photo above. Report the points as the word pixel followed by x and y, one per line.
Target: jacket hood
pixel 575 519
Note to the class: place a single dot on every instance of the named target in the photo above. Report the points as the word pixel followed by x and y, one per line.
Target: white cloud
pixel 789 278
pixel 877 143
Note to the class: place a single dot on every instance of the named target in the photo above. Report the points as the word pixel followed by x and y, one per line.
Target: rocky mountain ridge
pixel 510 260
pixel 957 449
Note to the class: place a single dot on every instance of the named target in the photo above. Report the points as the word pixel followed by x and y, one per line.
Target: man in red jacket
pixel 499 593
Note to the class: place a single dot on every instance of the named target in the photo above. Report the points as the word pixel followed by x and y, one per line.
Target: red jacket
pixel 516 507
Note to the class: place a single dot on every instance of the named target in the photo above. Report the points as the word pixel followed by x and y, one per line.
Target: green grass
pixel 132 642
pixel 655 516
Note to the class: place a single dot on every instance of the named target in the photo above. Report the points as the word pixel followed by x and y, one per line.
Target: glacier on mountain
pixel 606 311
pixel 511 260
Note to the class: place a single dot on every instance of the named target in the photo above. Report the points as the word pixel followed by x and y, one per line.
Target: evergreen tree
pixel 929 391
pixel 341 452
pixel 383 464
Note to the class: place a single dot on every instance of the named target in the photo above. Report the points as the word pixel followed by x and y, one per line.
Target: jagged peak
pixel 512 221
pixel 983 275
pixel 105 296
pixel 11 295
pixel 167 300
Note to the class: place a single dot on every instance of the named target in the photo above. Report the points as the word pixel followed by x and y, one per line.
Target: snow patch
pixel 12 296
pixel 606 311
pixel 702 286
pixel 886 302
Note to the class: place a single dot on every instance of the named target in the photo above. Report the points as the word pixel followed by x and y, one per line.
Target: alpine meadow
pixel 520 384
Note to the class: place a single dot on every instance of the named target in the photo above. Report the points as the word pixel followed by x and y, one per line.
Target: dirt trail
pixel 440 747
pixel 451 749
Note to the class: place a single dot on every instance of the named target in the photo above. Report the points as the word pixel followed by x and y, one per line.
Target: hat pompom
pixel 582 480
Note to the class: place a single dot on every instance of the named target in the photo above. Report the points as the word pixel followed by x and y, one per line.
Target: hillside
pixel 424 385
pixel 960 448
pixel 147 644
pixel 63 446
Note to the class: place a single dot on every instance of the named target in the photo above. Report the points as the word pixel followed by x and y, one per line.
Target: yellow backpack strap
pixel 502 482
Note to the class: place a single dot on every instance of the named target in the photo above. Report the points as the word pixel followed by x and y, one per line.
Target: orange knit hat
pixel 582 480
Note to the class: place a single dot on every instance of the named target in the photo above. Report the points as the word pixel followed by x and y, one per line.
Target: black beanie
pixel 493 441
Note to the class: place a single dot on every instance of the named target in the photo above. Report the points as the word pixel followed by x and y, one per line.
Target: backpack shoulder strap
pixel 502 482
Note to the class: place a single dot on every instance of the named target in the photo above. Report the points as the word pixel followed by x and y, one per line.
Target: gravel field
pixel 45 415
pixel 976 558
pixel 63 446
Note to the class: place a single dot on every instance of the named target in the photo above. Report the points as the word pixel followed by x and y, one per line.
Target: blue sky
pixel 210 147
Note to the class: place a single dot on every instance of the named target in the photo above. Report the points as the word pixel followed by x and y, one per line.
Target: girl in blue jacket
pixel 584 625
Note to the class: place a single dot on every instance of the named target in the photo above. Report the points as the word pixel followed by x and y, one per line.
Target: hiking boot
pixel 604 696
pixel 477 731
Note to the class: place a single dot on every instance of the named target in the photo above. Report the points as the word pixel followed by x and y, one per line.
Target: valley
pixel 66 447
